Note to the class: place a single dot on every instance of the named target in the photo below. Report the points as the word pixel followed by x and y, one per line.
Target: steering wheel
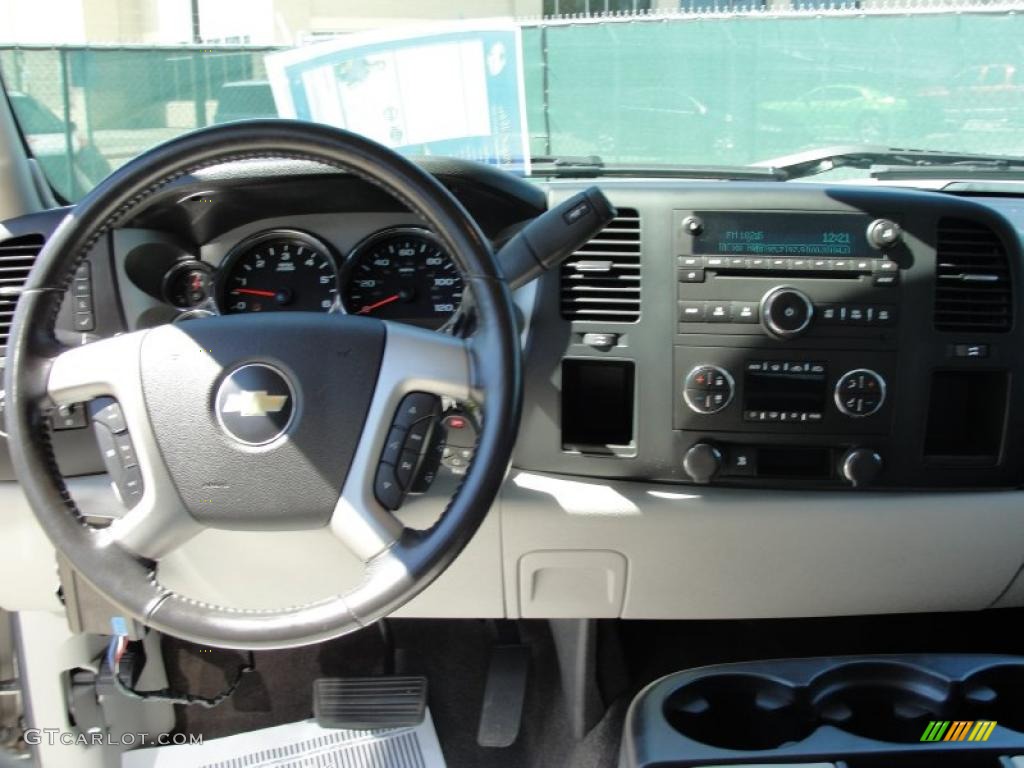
pixel 328 391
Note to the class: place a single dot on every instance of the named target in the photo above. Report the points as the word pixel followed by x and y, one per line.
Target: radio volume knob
pixel 860 466
pixel 884 233
pixel 786 312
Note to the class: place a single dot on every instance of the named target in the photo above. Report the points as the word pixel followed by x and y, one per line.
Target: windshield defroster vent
pixel 17 255
pixel 972 279
pixel 601 281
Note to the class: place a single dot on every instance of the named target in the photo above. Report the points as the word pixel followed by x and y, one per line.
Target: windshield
pixel 633 82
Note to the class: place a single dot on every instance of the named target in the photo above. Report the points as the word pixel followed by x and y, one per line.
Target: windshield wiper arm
pixel 888 162
pixel 589 166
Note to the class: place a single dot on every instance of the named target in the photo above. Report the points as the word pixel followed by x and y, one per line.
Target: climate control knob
pixel 702 462
pixel 708 388
pixel 860 466
pixel 786 312
pixel 860 393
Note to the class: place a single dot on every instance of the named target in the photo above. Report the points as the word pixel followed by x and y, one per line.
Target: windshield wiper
pixel 893 162
pixel 591 166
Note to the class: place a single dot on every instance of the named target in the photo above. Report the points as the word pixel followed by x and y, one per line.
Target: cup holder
pixel 740 711
pixel 882 701
pixel 995 693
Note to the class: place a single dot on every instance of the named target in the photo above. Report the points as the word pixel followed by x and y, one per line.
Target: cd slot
pixel 768 272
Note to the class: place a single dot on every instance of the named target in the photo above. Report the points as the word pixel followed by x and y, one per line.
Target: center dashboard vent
pixel 973 288
pixel 601 281
pixel 17 255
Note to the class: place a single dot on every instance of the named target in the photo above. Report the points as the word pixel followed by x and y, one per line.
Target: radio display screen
pixel 774 234
pixel 803 391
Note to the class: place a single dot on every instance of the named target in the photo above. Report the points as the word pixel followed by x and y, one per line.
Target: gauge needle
pixel 377 305
pixel 255 292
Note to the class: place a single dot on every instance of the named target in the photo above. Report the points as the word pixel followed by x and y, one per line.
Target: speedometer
pixel 281 269
pixel 402 274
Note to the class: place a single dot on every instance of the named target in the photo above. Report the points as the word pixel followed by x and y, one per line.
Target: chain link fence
pixel 706 87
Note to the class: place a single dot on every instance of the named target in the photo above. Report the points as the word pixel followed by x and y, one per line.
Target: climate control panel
pixel 745 390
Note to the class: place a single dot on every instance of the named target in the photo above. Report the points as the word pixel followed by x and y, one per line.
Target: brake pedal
pixel 367 703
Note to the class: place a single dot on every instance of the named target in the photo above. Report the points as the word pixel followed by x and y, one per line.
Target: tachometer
pixel 281 269
pixel 402 274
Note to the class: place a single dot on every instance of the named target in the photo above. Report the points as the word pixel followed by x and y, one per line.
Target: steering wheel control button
pixel 708 389
pixel 416 441
pixel 860 393
pixel 108 413
pixel 255 404
pixel 406 468
pixel 786 312
pixel 393 446
pixel 386 487
pixel 125 450
pixel 130 488
pixel 417 406
pixel 117 451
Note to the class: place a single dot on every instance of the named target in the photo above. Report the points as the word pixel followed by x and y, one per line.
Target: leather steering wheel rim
pixel 397 567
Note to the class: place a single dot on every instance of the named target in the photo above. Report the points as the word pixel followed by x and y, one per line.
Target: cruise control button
pixel 417 439
pixel 130 487
pixel 108 449
pixel 125 450
pixel 393 445
pixel 108 413
pixel 416 406
pixel 386 488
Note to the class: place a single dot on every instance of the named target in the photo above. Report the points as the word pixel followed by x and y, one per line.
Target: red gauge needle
pixel 255 292
pixel 377 305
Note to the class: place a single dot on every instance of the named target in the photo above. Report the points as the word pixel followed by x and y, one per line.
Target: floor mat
pixel 302 745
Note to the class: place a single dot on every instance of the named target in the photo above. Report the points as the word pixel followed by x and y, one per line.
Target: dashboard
pixel 792 398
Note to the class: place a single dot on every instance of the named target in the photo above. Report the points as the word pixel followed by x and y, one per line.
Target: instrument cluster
pixel 403 274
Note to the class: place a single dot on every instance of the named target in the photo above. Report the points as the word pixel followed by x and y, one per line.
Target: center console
pixel 784 336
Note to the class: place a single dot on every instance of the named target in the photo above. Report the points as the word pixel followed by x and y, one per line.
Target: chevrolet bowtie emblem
pixel 258 403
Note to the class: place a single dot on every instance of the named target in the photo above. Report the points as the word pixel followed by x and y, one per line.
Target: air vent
pixel 972 279
pixel 601 281
pixel 17 255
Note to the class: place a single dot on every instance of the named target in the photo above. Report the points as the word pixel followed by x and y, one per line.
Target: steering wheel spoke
pixel 414 361
pixel 156 521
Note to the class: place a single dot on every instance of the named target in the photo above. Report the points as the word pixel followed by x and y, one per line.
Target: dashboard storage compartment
pixel 894 711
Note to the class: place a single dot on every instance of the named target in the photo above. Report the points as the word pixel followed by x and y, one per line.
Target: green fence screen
pixel 729 90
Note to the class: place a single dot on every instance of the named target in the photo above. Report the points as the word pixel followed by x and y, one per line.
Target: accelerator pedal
pixel 368 703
